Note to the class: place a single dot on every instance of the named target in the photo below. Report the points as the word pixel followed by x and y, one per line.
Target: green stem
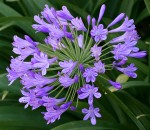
pixel 107 58
pixel 59 92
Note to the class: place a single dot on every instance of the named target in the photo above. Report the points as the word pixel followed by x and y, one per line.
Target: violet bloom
pixel 13 75
pixel 80 40
pixel 140 54
pixel 53 114
pixel 91 113
pixel 128 25
pixel 93 22
pixel 40 92
pixel 129 70
pixel 90 75
pixel 78 24
pixel 67 66
pixel 64 13
pixel 117 85
pixel 18 65
pixel 56 32
pixel 21 43
pixel 120 63
pixel 50 15
pixel 99 33
pixel 81 68
pixel 121 51
pixel 101 12
pixel 88 91
pixel 88 19
pixel 50 102
pixel 128 34
pixel 31 79
pixel 24 48
pixel 54 42
pixel 42 26
pixel 31 99
pixel 24 53
pixel 41 61
pixel 96 51
pixel 99 67
pixel 117 19
pixel 66 81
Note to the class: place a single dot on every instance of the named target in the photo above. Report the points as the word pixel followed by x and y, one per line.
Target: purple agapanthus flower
pixel 64 13
pixel 117 85
pixel 91 113
pixel 129 70
pixel 42 26
pixel 67 66
pixel 80 40
pixel 41 61
pixel 120 63
pixel 99 33
pixel 128 34
pixel 93 22
pixel 31 99
pixel 53 114
pixel 117 19
pixel 54 42
pixel 24 48
pixel 128 25
pixel 42 91
pixel 31 79
pixel 90 75
pixel 88 19
pixel 99 67
pixel 78 24
pixel 88 91
pixel 101 12
pixel 140 54
pixel 19 65
pixel 66 81
pixel 96 51
pixel 49 102
pixel 13 75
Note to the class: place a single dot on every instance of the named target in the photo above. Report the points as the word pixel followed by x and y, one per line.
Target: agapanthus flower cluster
pixel 65 68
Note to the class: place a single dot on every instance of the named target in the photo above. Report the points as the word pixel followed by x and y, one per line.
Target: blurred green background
pixel 126 109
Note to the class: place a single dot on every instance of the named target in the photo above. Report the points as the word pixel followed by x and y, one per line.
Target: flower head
pixel 65 68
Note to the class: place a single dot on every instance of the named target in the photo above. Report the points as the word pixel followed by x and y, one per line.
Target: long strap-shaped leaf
pixel 125 108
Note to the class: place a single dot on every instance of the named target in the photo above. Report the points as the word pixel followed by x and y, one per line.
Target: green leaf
pixel 127 6
pixel 14 88
pixel 7 11
pixel 125 109
pixel 147 3
pixel 82 125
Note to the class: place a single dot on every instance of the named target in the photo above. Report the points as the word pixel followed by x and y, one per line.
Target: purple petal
pixel 117 19
pixel 101 13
